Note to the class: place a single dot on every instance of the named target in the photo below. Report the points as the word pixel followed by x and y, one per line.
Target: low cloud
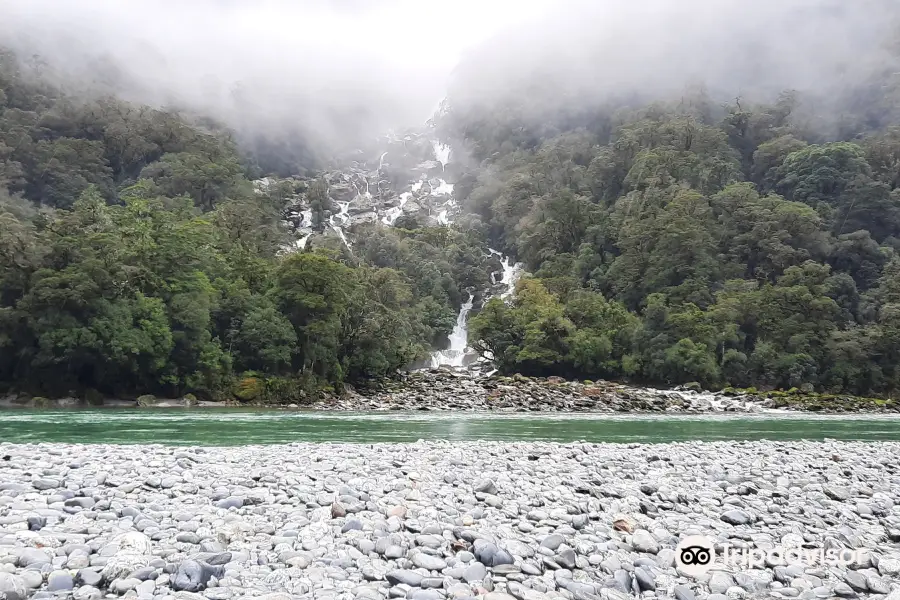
pixel 344 69
pixel 347 70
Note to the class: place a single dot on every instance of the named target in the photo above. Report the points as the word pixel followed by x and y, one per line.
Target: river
pixel 216 427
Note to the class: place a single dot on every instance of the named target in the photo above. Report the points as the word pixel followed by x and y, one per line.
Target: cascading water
pixel 353 188
pixel 442 153
pixel 455 355
pixel 443 188
pixel 510 275
pixel 338 221
pixel 394 213
pixel 459 340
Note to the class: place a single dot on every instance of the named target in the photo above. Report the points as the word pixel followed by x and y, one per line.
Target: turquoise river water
pixel 214 426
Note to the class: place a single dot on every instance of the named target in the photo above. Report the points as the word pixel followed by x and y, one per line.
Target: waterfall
pixel 509 276
pixel 343 217
pixel 459 339
pixel 442 188
pixel 381 161
pixel 394 213
pixel 442 153
pixel 455 355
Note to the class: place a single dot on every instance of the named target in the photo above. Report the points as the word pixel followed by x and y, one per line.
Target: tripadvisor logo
pixel 696 554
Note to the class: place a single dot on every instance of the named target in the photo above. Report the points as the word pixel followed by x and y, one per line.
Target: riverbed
pixel 444 520
pixel 233 427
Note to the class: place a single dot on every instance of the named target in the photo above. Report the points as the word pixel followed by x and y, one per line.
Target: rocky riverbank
pixel 448 390
pixel 435 520
pixel 444 389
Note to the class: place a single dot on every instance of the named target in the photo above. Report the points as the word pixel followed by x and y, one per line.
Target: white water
pixel 442 188
pixel 338 221
pixel 459 340
pixel 710 401
pixel 442 153
pixel 394 213
pixel 510 276
pixel 454 356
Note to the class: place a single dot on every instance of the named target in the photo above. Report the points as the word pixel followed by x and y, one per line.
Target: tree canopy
pixel 672 244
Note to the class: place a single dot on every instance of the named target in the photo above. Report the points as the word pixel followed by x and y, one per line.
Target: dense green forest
pixel 738 243
pixel 727 245
pixel 136 257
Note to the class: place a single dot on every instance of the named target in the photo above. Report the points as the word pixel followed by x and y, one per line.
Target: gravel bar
pixel 436 520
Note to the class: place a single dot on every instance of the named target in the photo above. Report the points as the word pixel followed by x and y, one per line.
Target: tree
pixel 319 203
pixel 265 341
pixel 207 179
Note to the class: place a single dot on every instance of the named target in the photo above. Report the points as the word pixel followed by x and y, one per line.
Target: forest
pixel 736 243
pixel 136 257
pixel 730 245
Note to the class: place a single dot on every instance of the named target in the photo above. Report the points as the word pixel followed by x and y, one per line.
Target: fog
pixel 347 70
pixel 731 48
pixel 343 68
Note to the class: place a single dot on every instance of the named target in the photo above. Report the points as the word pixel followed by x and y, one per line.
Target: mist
pixel 344 71
pixel 584 52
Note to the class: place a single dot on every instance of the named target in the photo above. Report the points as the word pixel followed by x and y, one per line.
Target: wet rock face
pixel 443 520
pixel 409 177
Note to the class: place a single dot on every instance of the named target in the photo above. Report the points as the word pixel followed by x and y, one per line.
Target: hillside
pixel 731 241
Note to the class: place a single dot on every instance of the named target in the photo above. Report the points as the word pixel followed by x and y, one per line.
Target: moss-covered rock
pixel 190 400
pixel 249 389
pixel 146 400
pixel 39 402
pixel 285 390
pixel 797 399
pixel 693 386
